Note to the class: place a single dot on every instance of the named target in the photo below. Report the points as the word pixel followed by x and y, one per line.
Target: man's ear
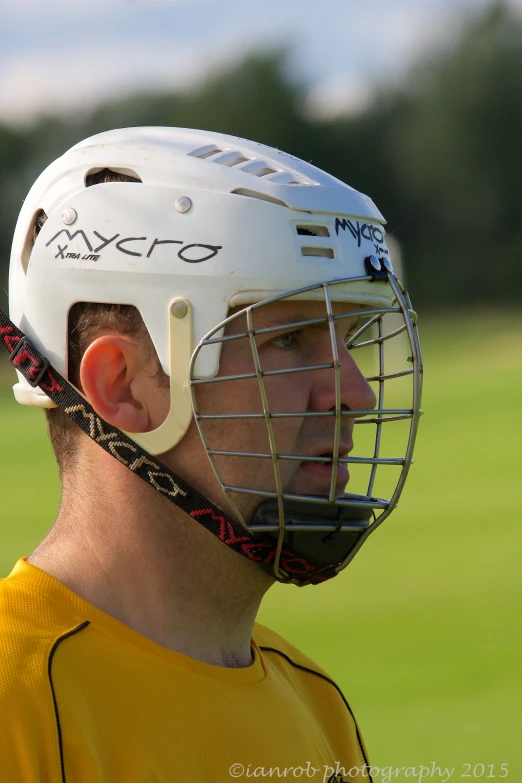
pixel 115 381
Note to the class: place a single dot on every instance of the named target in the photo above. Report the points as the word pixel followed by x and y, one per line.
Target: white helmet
pixel 214 222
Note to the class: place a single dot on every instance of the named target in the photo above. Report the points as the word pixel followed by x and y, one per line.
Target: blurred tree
pixel 439 154
pixel 459 161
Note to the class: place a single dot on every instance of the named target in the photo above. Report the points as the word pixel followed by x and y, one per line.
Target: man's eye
pixel 287 340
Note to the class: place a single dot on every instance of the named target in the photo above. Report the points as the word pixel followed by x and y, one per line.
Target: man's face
pixel 310 391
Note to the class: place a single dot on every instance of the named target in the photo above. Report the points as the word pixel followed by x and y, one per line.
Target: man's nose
pixel 355 391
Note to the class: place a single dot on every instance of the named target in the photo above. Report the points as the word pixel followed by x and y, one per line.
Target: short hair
pixel 86 322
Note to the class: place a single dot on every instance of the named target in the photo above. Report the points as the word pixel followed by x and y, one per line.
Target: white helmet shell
pixel 216 221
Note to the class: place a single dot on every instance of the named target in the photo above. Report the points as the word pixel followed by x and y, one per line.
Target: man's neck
pixel 154 569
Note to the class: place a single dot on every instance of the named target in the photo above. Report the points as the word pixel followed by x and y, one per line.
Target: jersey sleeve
pixel 30 741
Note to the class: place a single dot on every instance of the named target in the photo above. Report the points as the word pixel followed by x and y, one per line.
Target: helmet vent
pixel 315 244
pixel 259 168
pixel 233 158
pixel 253 165
pixel 205 152
pixel 285 178
pixel 35 227
pixel 313 231
pixel 323 252
pixel 259 196
pixel 263 172
pixel 103 176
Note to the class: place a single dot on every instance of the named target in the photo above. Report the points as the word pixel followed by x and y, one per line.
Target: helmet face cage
pixel 353 510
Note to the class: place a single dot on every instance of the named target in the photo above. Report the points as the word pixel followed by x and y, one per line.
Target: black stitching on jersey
pixel 324 677
pixel 57 717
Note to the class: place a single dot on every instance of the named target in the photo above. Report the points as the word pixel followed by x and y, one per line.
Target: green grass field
pixel 423 630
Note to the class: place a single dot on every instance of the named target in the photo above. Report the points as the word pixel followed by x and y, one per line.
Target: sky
pixel 58 56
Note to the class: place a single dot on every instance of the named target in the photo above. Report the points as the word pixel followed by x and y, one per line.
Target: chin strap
pixel 37 371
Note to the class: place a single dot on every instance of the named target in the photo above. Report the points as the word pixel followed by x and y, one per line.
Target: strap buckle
pixel 29 362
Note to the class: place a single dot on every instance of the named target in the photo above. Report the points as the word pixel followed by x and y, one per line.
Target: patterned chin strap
pixel 261 549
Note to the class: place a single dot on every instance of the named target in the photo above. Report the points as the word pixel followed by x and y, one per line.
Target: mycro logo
pixel 193 253
pixel 361 231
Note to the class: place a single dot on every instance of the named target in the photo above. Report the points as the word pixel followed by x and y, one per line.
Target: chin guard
pixel 307 527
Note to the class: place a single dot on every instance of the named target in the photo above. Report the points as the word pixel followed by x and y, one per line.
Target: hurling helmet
pixel 212 224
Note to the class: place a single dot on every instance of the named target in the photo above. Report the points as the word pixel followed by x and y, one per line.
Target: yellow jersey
pixel 86 699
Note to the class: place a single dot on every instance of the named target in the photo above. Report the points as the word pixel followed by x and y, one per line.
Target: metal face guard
pixel 328 527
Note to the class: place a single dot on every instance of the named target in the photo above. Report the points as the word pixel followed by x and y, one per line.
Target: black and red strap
pixel 260 548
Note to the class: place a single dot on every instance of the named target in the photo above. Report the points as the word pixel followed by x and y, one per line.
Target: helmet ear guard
pixel 207 229
pixel 172 430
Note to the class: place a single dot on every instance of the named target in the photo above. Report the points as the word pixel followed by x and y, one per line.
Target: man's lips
pixel 324 471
